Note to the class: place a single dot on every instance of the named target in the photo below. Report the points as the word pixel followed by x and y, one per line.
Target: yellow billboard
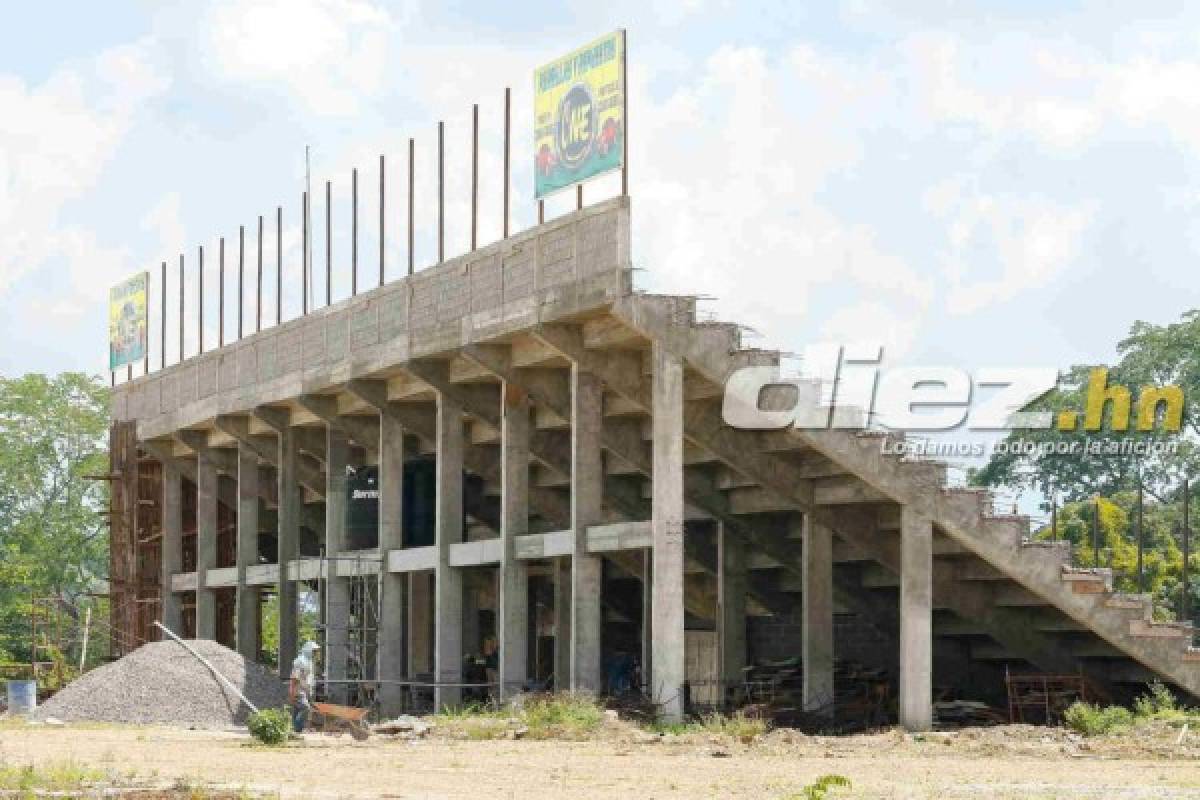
pixel 127 321
pixel 579 115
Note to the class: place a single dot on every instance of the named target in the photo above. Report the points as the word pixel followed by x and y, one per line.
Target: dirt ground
pixel 1009 762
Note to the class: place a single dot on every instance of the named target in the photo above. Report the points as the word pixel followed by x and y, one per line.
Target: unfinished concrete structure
pixel 586 492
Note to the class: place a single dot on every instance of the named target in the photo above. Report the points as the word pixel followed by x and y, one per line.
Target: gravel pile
pixel 162 683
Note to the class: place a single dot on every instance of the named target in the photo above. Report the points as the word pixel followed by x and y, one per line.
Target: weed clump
pixel 270 726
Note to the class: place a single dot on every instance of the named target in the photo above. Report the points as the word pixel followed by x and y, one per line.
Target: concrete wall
pixel 577 262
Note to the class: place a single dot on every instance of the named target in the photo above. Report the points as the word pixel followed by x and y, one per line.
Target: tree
pixel 53 540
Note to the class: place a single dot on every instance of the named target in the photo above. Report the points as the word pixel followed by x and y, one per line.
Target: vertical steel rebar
pixel 181 308
pixel 507 144
pixel 221 294
pixel 382 224
pixel 474 175
pixel 278 264
pixel 578 196
pixel 304 255
pixel 200 303
pixel 328 243
pixel 412 150
pixel 162 336
pixel 1096 531
pixel 441 153
pixel 354 231
pixel 258 282
pixel 1053 517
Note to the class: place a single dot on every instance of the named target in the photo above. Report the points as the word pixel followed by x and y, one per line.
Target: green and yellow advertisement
pixel 579 115
pixel 127 321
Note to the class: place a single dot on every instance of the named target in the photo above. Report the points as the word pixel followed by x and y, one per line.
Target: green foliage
pixel 1091 720
pixel 60 776
pixel 818 789
pixel 271 726
pixel 307 620
pixel 558 716
pixel 736 726
pixel 1159 702
pixel 53 541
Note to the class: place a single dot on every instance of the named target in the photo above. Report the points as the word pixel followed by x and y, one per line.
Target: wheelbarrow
pixel 335 719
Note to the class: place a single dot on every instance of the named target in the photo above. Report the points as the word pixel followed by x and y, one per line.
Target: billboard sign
pixel 579 115
pixel 127 321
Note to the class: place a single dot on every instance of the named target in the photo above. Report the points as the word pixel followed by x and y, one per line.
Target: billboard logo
pixel 576 121
pixel 843 387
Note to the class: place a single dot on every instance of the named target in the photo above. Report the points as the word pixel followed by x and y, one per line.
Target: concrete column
pixel 247 553
pixel 448 602
pixel 587 492
pixel 667 628
pixel 817 629
pixel 647 616
pixel 512 621
pixel 562 623
pixel 731 604
pixel 290 500
pixel 420 621
pixel 916 620
pixel 172 546
pixel 390 638
pixel 337 590
pixel 206 546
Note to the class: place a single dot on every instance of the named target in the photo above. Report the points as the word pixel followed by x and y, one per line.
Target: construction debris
pixel 161 683
pixel 405 727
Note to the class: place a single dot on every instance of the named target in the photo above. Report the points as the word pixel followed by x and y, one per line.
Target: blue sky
pixel 972 184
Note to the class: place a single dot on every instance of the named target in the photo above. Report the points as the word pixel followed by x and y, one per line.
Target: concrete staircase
pixel 1037 571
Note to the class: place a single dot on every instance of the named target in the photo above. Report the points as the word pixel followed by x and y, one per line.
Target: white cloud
pixel 55 143
pixel 728 170
pixel 330 55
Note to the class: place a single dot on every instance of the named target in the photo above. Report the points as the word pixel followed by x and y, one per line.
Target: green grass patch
pixel 558 716
pixel 57 776
pixel 736 726
pixel 821 787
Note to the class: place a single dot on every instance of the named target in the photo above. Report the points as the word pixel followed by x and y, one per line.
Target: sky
pixel 970 184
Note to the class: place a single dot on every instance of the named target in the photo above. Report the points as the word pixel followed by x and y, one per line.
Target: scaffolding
pixel 349 629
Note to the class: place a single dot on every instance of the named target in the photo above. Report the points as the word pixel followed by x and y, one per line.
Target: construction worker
pixel 300 687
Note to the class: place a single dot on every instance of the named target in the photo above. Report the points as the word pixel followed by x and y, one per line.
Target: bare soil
pixel 625 763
